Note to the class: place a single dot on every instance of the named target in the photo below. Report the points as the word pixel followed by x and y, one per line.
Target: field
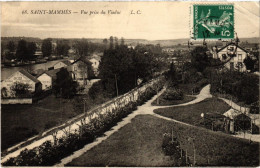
pixel 139 144
pixel 192 113
pixel 19 122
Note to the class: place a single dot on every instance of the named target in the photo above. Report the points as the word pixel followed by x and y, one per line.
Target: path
pixel 146 108
pixel 235 106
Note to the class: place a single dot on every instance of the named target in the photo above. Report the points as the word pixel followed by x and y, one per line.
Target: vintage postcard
pixel 140 84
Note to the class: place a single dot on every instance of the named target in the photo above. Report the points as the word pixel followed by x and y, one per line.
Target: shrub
pixel 173 94
pixel 244 87
pixel 21 90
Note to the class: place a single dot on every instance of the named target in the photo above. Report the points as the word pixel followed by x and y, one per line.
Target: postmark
pixel 213 21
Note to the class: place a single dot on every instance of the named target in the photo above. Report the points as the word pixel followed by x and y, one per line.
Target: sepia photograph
pixel 130 84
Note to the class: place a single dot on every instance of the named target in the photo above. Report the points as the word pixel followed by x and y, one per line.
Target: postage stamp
pixel 213 21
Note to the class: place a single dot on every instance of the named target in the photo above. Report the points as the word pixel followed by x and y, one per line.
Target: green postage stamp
pixel 213 21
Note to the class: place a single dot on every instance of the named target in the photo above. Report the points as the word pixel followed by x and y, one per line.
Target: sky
pixel 156 21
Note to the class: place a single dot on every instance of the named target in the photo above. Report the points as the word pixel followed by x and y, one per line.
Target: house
pixel 79 71
pixel 61 64
pixel 46 80
pixel 21 76
pixel 232 63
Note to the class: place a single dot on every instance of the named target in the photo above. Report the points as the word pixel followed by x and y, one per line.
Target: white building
pixel 46 79
pixel 23 77
pixel 232 63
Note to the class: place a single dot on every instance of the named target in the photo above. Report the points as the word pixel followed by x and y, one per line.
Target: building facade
pixel 235 62
pixel 22 77
pixel 79 71
pixel 46 81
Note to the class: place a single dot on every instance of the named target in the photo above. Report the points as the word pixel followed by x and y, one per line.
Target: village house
pixel 234 63
pixel 46 80
pixel 79 71
pixel 61 64
pixel 21 76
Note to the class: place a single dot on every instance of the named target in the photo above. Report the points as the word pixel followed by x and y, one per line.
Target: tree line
pixel 25 51
pixel 122 68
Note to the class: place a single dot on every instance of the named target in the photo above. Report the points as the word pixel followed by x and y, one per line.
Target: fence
pixel 75 124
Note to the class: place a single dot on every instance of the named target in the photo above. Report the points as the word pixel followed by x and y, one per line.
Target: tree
pixel 122 67
pixel 122 41
pixel 111 42
pixel 62 47
pixel 105 42
pixel 31 48
pixel 46 47
pixel 25 51
pixel 116 42
pixel 82 47
pixel 64 85
pixel 21 52
pixel 2 51
pixel 172 76
pixel 199 58
pixel 8 55
pixel 10 46
pixel 249 63
pixel 20 90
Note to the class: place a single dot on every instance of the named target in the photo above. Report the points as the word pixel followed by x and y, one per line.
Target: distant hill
pixel 250 40
pixel 163 43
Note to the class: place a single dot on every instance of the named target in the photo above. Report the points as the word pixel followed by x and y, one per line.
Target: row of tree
pixel 123 68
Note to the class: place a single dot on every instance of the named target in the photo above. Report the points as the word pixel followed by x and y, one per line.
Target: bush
pixel 173 94
pixel 244 87
pixel 192 76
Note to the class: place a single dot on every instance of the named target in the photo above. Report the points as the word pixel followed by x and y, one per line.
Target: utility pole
pixel 60 104
pixel 116 86
pixel 84 101
pixel 194 150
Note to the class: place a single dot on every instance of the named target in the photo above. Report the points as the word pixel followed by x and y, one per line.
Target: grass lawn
pixel 139 144
pixel 164 102
pixel 19 122
pixel 192 113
